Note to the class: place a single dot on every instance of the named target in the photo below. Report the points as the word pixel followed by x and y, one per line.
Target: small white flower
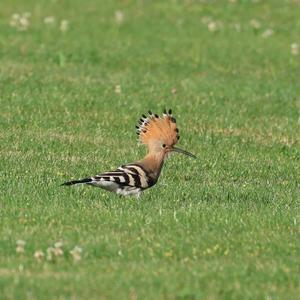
pixel 50 252
pixel 118 89
pixel 255 24
pixel 20 249
pixel 58 244
pixel 64 25
pixel 119 17
pixel 76 253
pixel 267 33
pixel 212 26
pixel 295 49
pixel 57 250
pixel 21 243
pixel 24 22
pixel 20 246
pixel 49 20
pixel 39 255
pixel 15 16
pixel 20 22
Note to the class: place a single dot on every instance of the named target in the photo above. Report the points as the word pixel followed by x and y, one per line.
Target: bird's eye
pixel 164 145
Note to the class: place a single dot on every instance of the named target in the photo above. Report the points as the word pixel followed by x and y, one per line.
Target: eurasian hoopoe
pixel 160 134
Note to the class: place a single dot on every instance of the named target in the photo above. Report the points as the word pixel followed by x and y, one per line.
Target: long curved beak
pixel 175 149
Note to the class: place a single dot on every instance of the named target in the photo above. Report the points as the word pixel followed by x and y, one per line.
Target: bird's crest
pixel 153 129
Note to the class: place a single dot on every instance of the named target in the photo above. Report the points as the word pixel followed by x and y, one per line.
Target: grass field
pixel 76 76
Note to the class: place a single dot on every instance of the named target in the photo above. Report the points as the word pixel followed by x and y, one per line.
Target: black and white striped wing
pixel 130 179
pixel 126 180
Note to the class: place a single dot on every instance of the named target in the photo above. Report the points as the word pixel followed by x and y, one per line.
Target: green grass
pixel 224 226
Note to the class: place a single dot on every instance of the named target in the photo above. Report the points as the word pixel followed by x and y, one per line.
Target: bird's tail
pixel 85 180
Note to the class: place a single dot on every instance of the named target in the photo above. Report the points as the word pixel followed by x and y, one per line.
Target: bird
pixel 160 134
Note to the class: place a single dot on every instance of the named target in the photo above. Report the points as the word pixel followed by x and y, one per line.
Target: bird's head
pixel 160 134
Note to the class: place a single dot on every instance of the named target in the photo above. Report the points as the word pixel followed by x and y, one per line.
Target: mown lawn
pixel 76 76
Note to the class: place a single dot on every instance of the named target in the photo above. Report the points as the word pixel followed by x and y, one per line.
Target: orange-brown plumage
pixel 159 134
pixel 155 131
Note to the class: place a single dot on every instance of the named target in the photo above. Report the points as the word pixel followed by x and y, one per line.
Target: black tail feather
pixel 85 180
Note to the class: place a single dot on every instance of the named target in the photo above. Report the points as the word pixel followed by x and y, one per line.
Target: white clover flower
pixel 58 244
pixel 295 49
pixel 255 24
pixel 267 33
pixel 119 17
pixel 50 253
pixel 50 20
pixel 20 21
pixel 212 26
pixel 39 255
pixel 21 243
pixel 15 16
pixel 20 250
pixel 57 249
pixel 20 246
pixel 24 22
pixel 64 25
pixel 118 89
pixel 76 253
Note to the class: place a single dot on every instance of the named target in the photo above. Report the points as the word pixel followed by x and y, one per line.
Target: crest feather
pixel 153 128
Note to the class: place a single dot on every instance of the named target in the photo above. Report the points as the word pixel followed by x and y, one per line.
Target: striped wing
pixel 127 180
pixel 131 175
